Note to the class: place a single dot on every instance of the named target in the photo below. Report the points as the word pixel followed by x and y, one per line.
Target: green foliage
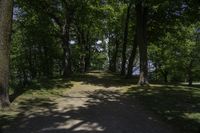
pixel 174 53
pixel 37 46
pixel 34 50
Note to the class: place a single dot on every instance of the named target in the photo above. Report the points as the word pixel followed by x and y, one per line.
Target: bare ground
pixel 95 106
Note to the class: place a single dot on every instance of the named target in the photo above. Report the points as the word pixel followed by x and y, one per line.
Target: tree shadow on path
pixel 102 112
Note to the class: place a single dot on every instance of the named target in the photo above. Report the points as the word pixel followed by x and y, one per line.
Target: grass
pixel 176 104
pixel 40 92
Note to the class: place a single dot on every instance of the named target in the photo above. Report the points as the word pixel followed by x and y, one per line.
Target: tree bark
pixel 123 66
pixel 67 65
pixel 132 58
pixel 114 58
pixel 165 75
pixel 6 10
pixel 67 69
pixel 82 55
pixel 141 41
pixel 87 61
pixel 32 69
pixel 88 54
pixel 190 79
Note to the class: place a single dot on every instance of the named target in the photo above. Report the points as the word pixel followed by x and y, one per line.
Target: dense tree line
pixel 54 38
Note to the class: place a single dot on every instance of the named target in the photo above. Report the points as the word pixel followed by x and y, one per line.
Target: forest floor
pixel 99 102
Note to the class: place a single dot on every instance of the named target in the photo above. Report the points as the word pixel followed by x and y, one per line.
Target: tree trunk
pixel 67 69
pixel 113 61
pixel 132 58
pixel 85 49
pixel 31 64
pixel 165 75
pixel 190 79
pixel 87 62
pixel 88 52
pixel 6 7
pixel 123 66
pixel 82 58
pixel 110 54
pixel 141 41
pixel 87 56
pixel 65 29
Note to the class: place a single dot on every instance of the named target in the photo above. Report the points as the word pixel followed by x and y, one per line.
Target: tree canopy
pixel 154 40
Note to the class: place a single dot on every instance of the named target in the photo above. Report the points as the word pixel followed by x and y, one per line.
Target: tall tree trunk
pixel 31 64
pixel 114 58
pixel 67 69
pixel 88 53
pixel 110 55
pixel 82 55
pixel 132 58
pixel 87 56
pixel 123 66
pixel 190 79
pixel 141 41
pixel 165 75
pixel 156 71
pixel 65 28
pixel 6 9
pixel 87 61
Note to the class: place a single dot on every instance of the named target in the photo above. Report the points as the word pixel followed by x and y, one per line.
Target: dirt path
pixel 88 108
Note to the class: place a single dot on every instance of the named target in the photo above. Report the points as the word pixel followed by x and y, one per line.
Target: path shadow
pixel 103 112
pixel 173 103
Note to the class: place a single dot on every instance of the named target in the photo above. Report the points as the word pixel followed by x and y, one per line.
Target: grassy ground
pixel 176 104
pixel 40 92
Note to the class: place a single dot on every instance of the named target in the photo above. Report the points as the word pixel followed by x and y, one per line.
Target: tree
pixel 58 37
pixel 141 20
pixel 6 7
pixel 125 40
pixel 61 13
pixel 132 58
pixel 35 52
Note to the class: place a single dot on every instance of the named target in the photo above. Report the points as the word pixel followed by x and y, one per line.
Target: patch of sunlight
pixel 157 85
pixel 149 94
pixel 79 125
pixel 67 125
pixel 8 113
pixel 170 118
pixel 88 126
pixel 196 93
pixel 194 116
pixel 125 88
pixel 167 112
pixel 141 90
